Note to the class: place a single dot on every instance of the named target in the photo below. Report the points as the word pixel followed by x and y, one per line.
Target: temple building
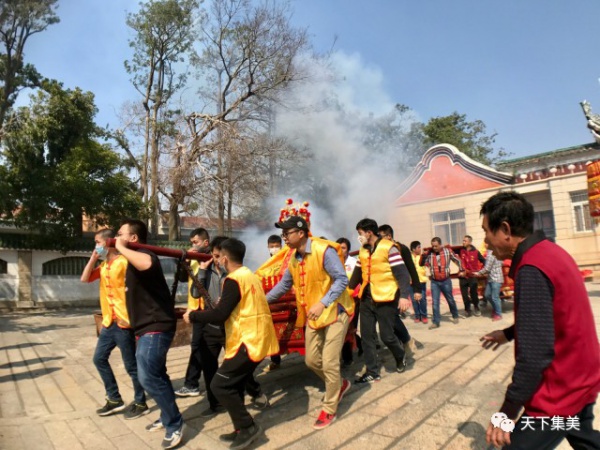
pixel 443 195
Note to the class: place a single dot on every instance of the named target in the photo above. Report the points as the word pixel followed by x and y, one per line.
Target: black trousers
pixel 233 377
pixel 347 347
pixel 468 290
pixel 384 313
pixel 194 368
pixel 400 329
pixel 543 437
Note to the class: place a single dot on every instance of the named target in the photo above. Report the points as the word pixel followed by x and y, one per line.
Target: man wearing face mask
pixel 199 239
pixel 250 337
pixel 116 330
pixel 385 285
pixel 274 244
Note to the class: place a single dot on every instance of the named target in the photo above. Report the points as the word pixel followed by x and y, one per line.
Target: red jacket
pixel 471 259
pixel 572 380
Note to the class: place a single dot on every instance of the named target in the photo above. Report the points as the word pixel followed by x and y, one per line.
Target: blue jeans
pixel 492 290
pixel 109 338
pixel 151 358
pixel 420 306
pixel 444 287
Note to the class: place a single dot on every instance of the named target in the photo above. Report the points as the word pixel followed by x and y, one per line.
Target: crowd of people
pixel 344 303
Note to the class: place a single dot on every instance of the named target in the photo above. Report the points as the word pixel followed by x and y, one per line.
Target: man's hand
pixel 120 244
pixel 461 274
pixel 204 264
pixel 417 296
pixel 495 435
pixel 404 304
pixel 186 316
pixel 315 311
pixel 494 339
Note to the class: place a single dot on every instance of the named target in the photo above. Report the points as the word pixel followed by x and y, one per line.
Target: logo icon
pixel 501 420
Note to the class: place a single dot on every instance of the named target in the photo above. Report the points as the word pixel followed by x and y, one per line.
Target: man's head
pixel 386 232
pixel 232 254
pixel 294 231
pixel 274 244
pixel 100 239
pixel 368 231
pixel 436 244
pixel 345 246
pixel 507 220
pixel 133 230
pixel 215 248
pixel 467 241
pixel 199 239
pixel 415 247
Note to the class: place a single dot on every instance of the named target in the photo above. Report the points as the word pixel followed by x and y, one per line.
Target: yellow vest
pixel 311 283
pixel 250 323
pixel 420 269
pixel 112 292
pixel 377 272
pixel 194 303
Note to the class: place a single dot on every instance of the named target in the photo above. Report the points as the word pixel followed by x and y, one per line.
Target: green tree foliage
pixel 19 20
pixel 470 138
pixel 55 170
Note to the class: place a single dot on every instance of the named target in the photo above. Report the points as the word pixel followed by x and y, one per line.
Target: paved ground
pixel 49 391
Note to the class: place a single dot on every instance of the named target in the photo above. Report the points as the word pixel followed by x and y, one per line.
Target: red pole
pixel 163 251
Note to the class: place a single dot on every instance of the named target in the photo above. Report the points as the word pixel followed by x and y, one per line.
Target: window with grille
pixel 69 265
pixel 582 221
pixel 449 226
pixel 3 267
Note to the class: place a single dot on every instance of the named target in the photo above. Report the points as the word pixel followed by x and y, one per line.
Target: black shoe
pixel 260 401
pixel 210 411
pixel 367 378
pixel 401 365
pixel 477 312
pixel 246 436
pixel 229 437
pixel 136 410
pixel 347 363
pixel 468 314
pixel 111 407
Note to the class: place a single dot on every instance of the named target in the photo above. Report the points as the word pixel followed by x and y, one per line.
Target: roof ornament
pixel 593 120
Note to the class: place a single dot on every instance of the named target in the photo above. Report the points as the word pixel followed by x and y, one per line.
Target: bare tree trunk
pixel 174 221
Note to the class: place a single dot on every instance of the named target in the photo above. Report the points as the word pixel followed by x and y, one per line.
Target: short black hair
pixel 234 249
pixel 201 233
pixel 414 244
pixel 216 242
pixel 343 240
pixel 138 228
pixel 512 208
pixel 368 225
pixel 106 233
pixel 469 237
pixel 436 239
pixel 386 229
pixel 274 239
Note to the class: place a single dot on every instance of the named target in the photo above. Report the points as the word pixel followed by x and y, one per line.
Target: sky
pixel 522 67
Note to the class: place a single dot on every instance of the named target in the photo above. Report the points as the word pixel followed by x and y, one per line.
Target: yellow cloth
pixel 377 272
pixel 194 303
pixel 250 323
pixel 312 282
pixel 112 292
pixel 420 269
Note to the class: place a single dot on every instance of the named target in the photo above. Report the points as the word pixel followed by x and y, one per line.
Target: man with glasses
pixel 317 274
pixel 151 312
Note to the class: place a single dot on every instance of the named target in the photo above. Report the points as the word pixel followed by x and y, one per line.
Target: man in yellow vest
pixel 116 330
pixel 317 274
pixel 249 338
pixel 385 285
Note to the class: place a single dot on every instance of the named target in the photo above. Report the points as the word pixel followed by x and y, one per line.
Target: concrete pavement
pixel 50 389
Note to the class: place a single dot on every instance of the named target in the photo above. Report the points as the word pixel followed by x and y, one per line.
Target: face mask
pixel 102 251
pixel 274 250
pixel 362 240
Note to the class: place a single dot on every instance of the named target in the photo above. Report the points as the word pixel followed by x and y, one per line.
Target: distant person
pixel 419 305
pixel 495 278
pixel 472 261
pixel 116 330
pixel 152 313
pixel 274 245
pixel 438 261
pixel 556 376
pixel 250 337
pixel 349 264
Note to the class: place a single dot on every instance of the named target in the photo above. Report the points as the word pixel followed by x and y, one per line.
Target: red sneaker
pixel 496 317
pixel 345 386
pixel 324 420
pixel 417 320
pixel 424 320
